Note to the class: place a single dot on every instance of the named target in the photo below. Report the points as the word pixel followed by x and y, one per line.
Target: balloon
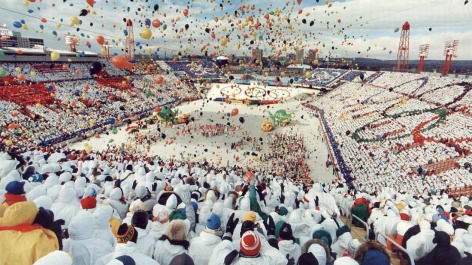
pixel 185 12
pixel 95 68
pixel 234 112
pixel 55 56
pixel 156 23
pixel 100 40
pixel 8 142
pixel 299 1
pixel 241 119
pixel 160 80
pixel 90 2
pixel 33 73
pixel 146 33
pixel 87 148
pixel 156 7
pixel 121 62
pixel 3 73
pixel 362 76
pixel 17 25
pixel 83 12
pixel 21 77
pixel 74 21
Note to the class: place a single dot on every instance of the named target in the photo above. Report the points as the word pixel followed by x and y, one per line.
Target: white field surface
pixel 193 147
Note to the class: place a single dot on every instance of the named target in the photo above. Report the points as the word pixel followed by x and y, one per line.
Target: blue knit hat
pixel 213 222
pixel 126 260
pixel 36 178
pixel 15 187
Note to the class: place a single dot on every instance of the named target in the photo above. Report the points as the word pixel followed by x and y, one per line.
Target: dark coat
pixel 442 253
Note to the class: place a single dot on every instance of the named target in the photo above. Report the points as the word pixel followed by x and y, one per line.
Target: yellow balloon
pixel 307 74
pixel 24 26
pixel 26 3
pixel 18 69
pixel 38 105
pixel 146 33
pixel 33 73
pixel 224 41
pixel 74 21
pixel 8 142
pixel 55 56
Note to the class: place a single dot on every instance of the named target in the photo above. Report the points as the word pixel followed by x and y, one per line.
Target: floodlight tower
pixel 129 49
pixel 450 50
pixel 106 46
pixel 424 49
pixel 404 48
pixel 72 41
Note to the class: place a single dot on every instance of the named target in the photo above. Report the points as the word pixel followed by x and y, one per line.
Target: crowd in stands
pixel 77 108
pixel 374 130
pixel 321 77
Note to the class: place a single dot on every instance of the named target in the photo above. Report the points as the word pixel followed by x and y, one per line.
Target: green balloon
pixel 3 73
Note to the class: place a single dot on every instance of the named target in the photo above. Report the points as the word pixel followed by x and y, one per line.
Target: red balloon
pixel 90 2
pixel 100 40
pixel 156 23
pixel 185 12
pixel 21 77
pixel 234 112
pixel 299 1
pixel 121 62
pixel 160 80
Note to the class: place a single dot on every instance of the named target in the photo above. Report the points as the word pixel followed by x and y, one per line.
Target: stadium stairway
pixel 359 233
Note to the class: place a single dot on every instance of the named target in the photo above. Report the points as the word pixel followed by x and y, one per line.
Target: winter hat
pixel 126 233
pixel 352 246
pixel 286 232
pixel 160 214
pixel 88 203
pixel 182 259
pixel 177 230
pixel 283 211
pixel 342 230
pixel 122 260
pixel 213 222
pixel 345 261
pixel 319 252
pixel 55 257
pixel 375 257
pixel 140 219
pixel 36 178
pixel 250 216
pixel 137 205
pixel 250 244
pixel 15 187
pixel 307 259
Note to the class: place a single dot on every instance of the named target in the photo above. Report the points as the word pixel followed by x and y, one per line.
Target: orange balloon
pixel 43 20
pixel 100 40
pixel 160 80
pixel 121 62
pixel 156 23
pixel 90 2
pixel 21 77
pixel 19 52
pixel 185 12
pixel 234 112
pixel 299 1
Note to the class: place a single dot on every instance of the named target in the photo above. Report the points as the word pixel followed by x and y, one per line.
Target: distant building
pixel 257 54
pixel 15 40
pixel 300 56
pixel 291 57
pixel 310 57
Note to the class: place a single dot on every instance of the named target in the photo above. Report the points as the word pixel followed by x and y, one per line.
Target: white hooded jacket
pixel 201 248
pixel 129 249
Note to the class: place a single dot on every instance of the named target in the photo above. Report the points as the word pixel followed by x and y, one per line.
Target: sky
pixel 351 28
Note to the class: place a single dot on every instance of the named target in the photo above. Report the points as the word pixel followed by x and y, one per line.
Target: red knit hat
pixel 88 203
pixel 250 244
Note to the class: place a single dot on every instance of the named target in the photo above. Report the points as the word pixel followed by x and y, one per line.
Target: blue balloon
pixel 147 22
pixel 30 11
pixel 17 25
pixel 49 88
pixel 41 26
pixel 138 43
pixel 296 78
pixel 22 21
pixel 62 20
pixel 54 33
pixel 125 32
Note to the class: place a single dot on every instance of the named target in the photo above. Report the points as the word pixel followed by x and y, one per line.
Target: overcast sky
pixel 355 28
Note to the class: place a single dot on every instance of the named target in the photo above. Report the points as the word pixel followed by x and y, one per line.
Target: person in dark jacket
pixel 442 253
pixel 372 253
pixel 467 260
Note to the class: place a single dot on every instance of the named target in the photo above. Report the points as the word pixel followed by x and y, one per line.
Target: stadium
pixel 241 149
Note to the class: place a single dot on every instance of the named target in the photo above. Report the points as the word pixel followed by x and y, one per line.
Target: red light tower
pixel 106 46
pixel 424 49
pixel 450 50
pixel 404 48
pixel 129 49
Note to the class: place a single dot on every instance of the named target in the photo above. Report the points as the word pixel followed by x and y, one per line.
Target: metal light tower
pixel 424 49
pixel 106 46
pixel 404 48
pixel 72 41
pixel 450 50
pixel 129 49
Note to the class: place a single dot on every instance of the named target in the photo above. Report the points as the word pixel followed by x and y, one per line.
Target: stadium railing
pixel 399 247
